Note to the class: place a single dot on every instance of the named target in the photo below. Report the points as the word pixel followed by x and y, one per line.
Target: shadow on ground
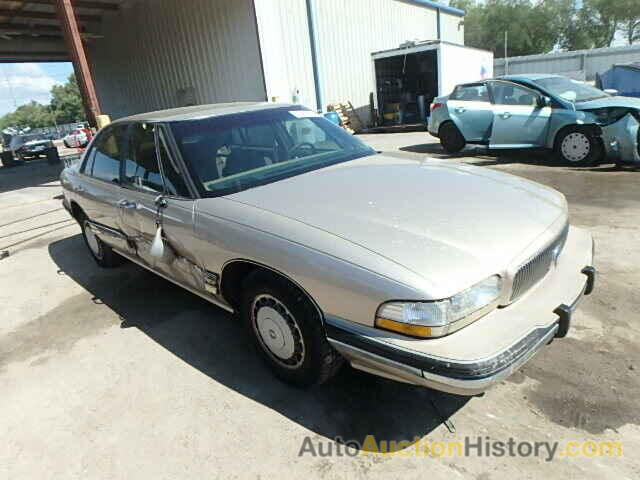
pixel 483 156
pixel 32 173
pixel 351 406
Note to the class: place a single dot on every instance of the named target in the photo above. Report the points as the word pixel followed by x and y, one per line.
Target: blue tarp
pixel 624 78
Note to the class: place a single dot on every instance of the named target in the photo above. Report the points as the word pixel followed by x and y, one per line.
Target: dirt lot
pixel 120 374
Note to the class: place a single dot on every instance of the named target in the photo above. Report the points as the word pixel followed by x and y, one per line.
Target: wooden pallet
pixel 350 119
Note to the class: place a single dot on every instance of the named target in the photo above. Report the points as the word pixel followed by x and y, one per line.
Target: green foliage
pixel 32 114
pixel 66 102
pixel 65 107
pixel 540 26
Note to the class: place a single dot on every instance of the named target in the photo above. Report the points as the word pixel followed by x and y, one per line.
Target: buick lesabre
pixel 432 273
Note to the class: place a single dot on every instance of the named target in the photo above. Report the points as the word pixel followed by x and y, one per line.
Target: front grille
pixel 532 271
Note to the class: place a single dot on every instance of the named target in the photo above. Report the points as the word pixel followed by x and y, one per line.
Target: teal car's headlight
pixel 609 115
pixel 434 319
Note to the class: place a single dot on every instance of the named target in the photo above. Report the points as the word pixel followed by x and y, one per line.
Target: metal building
pixel 578 64
pixel 154 54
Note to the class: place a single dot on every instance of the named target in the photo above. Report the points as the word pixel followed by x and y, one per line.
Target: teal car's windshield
pixel 570 90
pixel 231 153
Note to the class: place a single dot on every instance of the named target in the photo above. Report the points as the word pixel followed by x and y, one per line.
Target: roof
pixel 527 76
pixel 197 112
pixel 437 6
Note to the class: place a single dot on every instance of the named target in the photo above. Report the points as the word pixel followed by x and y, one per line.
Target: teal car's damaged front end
pixel 582 124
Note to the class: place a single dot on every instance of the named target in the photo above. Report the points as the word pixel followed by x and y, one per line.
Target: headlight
pixel 607 116
pixel 434 319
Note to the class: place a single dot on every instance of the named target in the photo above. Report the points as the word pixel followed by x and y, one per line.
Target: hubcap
pixel 277 330
pixel 576 147
pixel 92 240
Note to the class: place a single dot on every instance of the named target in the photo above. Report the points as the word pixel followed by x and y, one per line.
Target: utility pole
pixel 506 54
pixel 6 76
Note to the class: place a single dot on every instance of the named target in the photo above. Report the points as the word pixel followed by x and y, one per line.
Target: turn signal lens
pixel 404 328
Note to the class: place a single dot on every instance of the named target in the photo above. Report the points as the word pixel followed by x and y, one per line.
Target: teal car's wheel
pixel 451 138
pixel 576 146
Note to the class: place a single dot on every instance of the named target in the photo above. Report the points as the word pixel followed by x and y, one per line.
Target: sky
pixel 23 82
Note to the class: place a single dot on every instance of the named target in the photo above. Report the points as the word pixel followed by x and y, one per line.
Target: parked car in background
pixel 77 138
pixel 323 249
pixel 31 146
pixel 580 123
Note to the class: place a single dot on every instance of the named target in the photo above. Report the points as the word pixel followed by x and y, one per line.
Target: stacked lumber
pixel 349 118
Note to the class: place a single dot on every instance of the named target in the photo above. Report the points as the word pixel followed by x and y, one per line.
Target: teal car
pixel 580 123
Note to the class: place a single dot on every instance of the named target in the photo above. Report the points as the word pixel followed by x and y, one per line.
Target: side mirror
pixel 333 118
pixel 611 91
pixel 543 101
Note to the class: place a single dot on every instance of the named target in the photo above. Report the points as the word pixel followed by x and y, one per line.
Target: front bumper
pixel 622 140
pixel 424 362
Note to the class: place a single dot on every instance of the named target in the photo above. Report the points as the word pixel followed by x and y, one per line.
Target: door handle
pixel 506 115
pixel 460 110
pixel 126 204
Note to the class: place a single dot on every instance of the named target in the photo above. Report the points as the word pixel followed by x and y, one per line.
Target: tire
pixel 451 138
pixel 287 331
pixel 578 146
pixel 53 157
pixel 102 253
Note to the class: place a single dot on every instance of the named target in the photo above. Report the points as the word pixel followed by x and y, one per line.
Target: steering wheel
pixel 295 148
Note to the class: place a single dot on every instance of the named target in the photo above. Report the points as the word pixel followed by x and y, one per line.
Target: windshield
pixel 231 153
pixel 570 90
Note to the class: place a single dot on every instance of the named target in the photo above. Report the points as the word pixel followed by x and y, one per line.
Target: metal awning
pixel 30 31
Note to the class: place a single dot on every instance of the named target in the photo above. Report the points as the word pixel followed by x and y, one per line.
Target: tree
pixel 32 114
pixel 540 26
pixel 65 107
pixel 66 102
pixel 532 27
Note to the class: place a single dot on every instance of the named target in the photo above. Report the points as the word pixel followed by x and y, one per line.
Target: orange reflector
pixel 404 328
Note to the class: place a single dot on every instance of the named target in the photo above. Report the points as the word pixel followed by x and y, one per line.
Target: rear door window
pixel 108 155
pixel 141 168
pixel 476 92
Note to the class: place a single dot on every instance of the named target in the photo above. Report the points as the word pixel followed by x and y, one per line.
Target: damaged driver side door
pixel 157 205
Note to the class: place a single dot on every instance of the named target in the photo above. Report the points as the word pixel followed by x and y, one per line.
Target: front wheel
pixel 451 138
pixel 287 331
pixel 102 253
pixel 578 147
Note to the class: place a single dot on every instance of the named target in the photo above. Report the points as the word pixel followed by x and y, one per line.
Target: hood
pixel 37 142
pixel 617 101
pixel 436 219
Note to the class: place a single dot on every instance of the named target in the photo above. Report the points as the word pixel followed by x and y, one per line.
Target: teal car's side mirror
pixel 333 118
pixel 544 102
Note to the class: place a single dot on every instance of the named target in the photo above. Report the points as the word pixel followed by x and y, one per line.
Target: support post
pixel 79 58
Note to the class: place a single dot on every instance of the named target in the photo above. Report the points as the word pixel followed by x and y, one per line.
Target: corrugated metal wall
pixel 452 28
pixel 286 50
pixel 349 31
pixel 585 62
pixel 159 54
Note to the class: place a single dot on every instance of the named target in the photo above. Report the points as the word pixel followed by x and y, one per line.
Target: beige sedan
pixel 432 273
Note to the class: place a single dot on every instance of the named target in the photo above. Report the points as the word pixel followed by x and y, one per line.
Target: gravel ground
pixel 120 374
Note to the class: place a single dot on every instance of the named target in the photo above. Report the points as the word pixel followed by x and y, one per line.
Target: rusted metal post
pixel 80 64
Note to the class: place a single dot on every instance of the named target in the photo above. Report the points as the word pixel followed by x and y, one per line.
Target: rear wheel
pixel 577 146
pixel 287 331
pixel 102 253
pixel 451 138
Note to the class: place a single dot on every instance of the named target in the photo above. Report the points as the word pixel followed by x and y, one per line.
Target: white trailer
pixel 408 78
